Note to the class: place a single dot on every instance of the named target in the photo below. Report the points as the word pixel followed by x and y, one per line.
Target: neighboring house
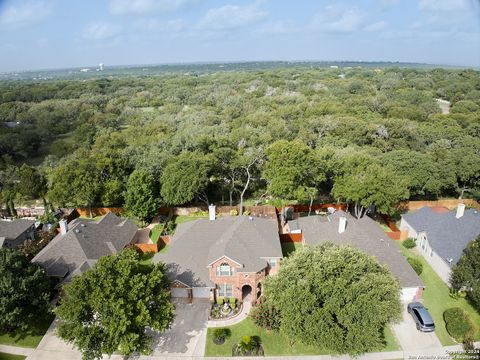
pixel 224 257
pixel 14 232
pixel 441 235
pixel 82 242
pixel 364 234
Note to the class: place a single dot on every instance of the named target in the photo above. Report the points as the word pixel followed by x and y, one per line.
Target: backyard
pixel 274 343
pixel 290 247
pixel 437 298
pixel 29 338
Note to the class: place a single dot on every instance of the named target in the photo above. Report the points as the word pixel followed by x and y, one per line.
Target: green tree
pixel 371 185
pixel 141 198
pixel 31 184
pixel 466 273
pixel 110 307
pixel 291 166
pixel 24 291
pixel 185 178
pixel 335 297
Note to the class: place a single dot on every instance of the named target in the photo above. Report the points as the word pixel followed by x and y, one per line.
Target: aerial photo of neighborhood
pixel 187 180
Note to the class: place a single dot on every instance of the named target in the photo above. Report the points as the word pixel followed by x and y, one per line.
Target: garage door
pixel 408 294
pixel 179 292
pixel 201 292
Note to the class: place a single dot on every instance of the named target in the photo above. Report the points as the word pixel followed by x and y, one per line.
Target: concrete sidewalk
pixel 16 350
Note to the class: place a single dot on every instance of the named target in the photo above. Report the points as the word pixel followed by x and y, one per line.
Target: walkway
pixel 16 350
pixel 246 306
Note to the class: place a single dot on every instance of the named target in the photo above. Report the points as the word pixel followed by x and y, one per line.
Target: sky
pixel 47 34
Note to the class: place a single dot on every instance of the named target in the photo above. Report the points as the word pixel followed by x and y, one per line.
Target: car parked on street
pixel 421 316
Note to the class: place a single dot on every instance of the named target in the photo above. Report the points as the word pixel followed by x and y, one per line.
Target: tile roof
pixel 364 234
pixel 10 230
pixel 84 243
pixel 446 234
pixel 196 244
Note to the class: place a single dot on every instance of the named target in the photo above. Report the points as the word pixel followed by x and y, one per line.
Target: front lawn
pixel 5 356
pixel 437 299
pixel 289 248
pixel 29 338
pixel 274 343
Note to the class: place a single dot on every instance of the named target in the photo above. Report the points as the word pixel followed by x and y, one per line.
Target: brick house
pixel 224 257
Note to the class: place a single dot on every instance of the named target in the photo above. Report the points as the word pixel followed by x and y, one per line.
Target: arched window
pixel 224 270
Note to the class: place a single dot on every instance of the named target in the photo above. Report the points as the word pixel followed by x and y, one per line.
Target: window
pixel 225 290
pixel 224 270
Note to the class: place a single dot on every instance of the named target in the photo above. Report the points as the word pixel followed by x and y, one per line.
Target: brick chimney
pixel 342 224
pixel 460 210
pixel 211 212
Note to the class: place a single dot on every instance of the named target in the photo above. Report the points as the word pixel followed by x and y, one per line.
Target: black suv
pixel 422 318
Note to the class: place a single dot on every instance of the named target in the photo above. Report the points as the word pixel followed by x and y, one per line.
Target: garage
pixel 202 292
pixel 179 292
pixel 409 294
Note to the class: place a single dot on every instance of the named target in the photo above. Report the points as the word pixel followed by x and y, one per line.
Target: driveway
pixel 188 333
pixel 410 338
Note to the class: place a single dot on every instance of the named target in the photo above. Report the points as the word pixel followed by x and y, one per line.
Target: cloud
pixel 141 7
pixel 280 27
pixel 25 14
pixel 232 16
pixel 388 3
pixel 377 26
pixel 337 20
pixel 156 25
pixel 101 31
pixel 444 5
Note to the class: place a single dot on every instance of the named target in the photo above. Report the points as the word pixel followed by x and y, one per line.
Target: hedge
pixel 416 265
pixel 409 243
pixel 457 323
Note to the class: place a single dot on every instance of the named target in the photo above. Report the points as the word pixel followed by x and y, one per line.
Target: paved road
pixel 412 339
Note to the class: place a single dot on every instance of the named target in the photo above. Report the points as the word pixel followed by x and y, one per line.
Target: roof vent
pixel 83 225
pixel 77 231
pixel 250 218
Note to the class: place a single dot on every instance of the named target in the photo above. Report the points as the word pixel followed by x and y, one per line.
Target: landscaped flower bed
pixel 225 308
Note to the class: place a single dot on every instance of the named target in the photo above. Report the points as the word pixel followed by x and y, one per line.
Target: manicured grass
pixel 29 338
pixel 274 343
pixel 156 232
pixel 180 219
pixel 92 218
pixel 146 258
pixel 437 299
pixel 5 356
pixel 288 248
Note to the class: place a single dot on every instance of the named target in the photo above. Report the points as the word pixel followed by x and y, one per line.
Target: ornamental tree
pixel 24 291
pixel 335 297
pixel 111 307
pixel 466 274
pixel 141 197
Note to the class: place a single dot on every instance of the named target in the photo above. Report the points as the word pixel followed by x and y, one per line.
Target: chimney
pixel 342 224
pixel 211 212
pixel 460 210
pixel 63 226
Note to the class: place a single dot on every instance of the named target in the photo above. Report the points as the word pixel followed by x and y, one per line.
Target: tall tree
pixel 110 307
pixel 371 185
pixel 24 291
pixel 185 178
pixel 142 198
pixel 31 184
pixel 335 297
pixel 291 166
pixel 466 274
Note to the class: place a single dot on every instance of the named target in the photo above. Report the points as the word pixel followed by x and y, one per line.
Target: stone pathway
pixel 239 318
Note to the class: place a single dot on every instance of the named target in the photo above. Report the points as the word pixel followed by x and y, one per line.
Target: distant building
pixel 82 242
pixel 14 232
pixel 442 235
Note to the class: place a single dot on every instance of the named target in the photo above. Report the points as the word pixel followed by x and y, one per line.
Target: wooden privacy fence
pixel 448 203
pixel 147 248
pixel 322 207
pixel 99 211
pixel 291 238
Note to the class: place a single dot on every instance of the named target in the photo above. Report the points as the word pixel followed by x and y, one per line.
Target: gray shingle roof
pixel 198 243
pixel 446 234
pixel 363 234
pixel 10 230
pixel 85 242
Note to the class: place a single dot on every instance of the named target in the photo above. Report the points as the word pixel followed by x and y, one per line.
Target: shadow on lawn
pixel 37 329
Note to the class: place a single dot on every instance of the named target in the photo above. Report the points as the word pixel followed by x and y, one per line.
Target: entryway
pixel 246 293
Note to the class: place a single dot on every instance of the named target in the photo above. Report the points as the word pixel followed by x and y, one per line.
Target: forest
pixel 366 136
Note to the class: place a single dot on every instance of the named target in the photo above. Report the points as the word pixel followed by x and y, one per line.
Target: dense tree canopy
pixel 297 129
pixel 109 308
pixel 334 297
pixel 24 291
pixel 142 198
pixel 466 274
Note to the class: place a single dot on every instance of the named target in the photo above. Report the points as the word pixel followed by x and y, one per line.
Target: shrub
pixel 220 301
pixel 266 316
pixel 248 346
pixel 457 323
pixel 233 212
pixel 416 265
pixel 219 335
pixel 233 302
pixel 409 243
